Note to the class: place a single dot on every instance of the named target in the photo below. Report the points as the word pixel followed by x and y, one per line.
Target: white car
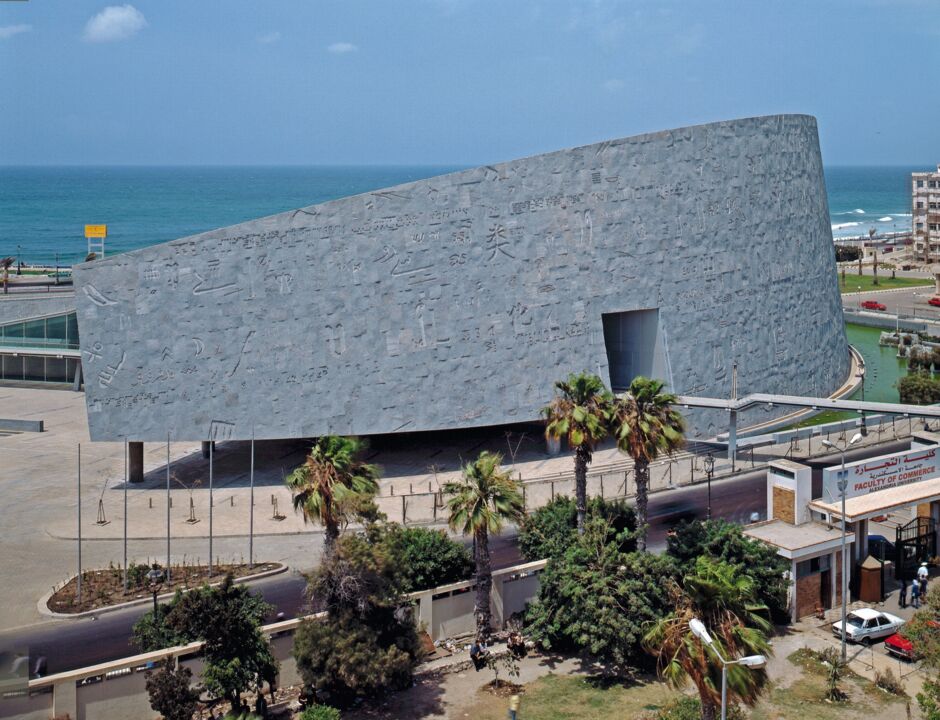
pixel 866 625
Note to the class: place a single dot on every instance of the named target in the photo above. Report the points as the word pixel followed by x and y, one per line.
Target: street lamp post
pixel 843 485
pixel 754 662
pixel 155 576
pixel 709 463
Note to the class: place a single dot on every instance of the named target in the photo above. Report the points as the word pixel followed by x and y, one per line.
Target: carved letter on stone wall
pixel 97 297
pixel 336 339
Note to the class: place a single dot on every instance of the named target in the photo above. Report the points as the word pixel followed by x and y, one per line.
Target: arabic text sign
pixel 881 473
pixel 96 231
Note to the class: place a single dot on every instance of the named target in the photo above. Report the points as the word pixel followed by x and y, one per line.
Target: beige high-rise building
pixel 925 211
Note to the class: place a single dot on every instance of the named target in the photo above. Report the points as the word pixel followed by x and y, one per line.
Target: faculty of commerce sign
pixel 881 473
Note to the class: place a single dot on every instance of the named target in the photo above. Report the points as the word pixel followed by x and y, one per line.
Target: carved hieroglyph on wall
pixel 458 300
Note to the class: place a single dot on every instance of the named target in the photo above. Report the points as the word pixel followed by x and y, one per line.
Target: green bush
pixel 918 388
pixel 725 541
pixel 599 600
pixel 689 708
pixel 549 531
pixel 427 558
pixel 368 642
pixel 320 712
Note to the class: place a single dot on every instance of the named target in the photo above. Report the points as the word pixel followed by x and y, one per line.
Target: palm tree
pixel 485 497
pixel 646 426
pixel 724 601
pixel 579 412
pixel 333 484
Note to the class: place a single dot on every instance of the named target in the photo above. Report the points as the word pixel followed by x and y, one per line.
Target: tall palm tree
pixel 579 413
pixel 483 499
pixel 724 600
pixel 646 426
pixel 333 484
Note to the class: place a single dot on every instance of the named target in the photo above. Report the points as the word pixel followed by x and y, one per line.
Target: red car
pixel 901 647
pixel 935 301
pixel 873 305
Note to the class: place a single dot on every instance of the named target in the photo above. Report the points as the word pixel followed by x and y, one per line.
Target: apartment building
pixel 925 211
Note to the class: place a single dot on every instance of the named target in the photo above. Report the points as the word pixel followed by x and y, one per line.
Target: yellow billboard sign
pixel 96 231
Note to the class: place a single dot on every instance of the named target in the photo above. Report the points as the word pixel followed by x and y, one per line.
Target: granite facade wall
pixel 458 300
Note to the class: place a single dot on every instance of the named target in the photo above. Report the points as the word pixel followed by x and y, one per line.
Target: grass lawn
pixel 557 697
pixel 804 697
pixel 564 697
pixel 866 282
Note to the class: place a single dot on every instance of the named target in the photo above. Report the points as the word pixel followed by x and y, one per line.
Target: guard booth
pixel 805 521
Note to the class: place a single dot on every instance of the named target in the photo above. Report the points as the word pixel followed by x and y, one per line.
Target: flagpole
pixel 125 516
pixel 211 453
pixel 168 508
pixel 251 507
pixel 79 593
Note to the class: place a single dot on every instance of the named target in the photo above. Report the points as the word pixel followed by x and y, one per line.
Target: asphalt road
pixel 911 303
pixel 78 643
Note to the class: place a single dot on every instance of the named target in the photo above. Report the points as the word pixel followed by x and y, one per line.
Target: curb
pixel 43 607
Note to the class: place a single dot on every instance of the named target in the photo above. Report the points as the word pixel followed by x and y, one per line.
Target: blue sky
pixel 452 81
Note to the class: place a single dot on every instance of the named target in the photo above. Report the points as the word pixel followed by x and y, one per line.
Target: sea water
pixel 43 210
pixel 862 198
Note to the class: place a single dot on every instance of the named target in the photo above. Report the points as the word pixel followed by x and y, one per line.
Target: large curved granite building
pixel 457 301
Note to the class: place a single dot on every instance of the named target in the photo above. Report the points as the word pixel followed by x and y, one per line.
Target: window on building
pixel 920 204
pixel 811 566
pixel 932 183
pixel 920 183
pixel 920 226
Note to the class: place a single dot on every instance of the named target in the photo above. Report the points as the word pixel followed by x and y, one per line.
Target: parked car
pixel 874 305
pixel 902 647
pixel 935 301
pixel 866 625
pixel 880 547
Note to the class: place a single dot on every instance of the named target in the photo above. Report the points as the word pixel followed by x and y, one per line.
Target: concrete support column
pixel 794 603
pixel 135 461
pixel 496 603
pixel 426 613
pixel 861 540
pixel 65 699
pixel 733 438
pixel 833 578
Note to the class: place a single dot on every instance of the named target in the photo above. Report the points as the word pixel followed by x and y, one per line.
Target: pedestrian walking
pixel 902 596
pixel 922 575
pixel 915 593
pixel 514 707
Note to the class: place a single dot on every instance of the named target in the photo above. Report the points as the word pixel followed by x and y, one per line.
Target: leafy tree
pixel 598 599
pixel 726 542
pixel 929 699
pixel 171 693
pixel 923 629
pixel 427 558
pixel 579 413
pixel 919 388
pixel 551 529
pixel 368 642
pixel 725 601
pixel 151 631
pixel 228 619
pixel 646 426
pixel 479 504
pixel 333 485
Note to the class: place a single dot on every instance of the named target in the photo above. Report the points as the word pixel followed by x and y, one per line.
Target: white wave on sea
pixel 840 226
pixel 856 211
pixel 886 218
